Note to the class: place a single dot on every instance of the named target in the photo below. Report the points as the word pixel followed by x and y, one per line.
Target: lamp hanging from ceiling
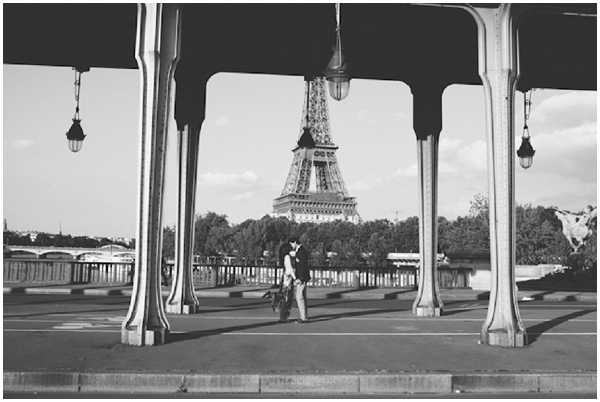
pixel 336 73
pixel 75 134
pixel 526 151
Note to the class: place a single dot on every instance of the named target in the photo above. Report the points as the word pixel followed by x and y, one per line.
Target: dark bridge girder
pixel 410 43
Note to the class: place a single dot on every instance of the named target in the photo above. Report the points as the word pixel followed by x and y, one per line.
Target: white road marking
pixel 82 325
pixel 61 330
pixel 118 320
pixel 380 318
pixel 312 333
pixel 63 321
pixel 549 307
pixel 58 315
pixel 391 333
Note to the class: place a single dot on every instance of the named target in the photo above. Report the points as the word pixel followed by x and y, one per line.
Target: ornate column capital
pixel 427 108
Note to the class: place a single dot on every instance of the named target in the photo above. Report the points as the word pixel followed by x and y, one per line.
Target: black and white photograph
pixel 299 200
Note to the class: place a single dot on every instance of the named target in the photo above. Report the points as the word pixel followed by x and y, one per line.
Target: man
pixel 302 277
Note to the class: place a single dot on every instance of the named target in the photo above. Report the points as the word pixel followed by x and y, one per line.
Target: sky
pixel 252 123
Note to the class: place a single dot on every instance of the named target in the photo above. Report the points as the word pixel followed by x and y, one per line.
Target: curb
pixel 257 294
pixel 365 384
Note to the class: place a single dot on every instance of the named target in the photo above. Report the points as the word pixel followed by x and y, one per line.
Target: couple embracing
pixel 296 274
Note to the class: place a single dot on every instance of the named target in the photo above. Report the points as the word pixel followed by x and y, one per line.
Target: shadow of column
pixel 534 332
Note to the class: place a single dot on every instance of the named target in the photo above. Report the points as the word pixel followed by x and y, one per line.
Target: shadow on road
pixel 534 332
pixel 178 337
pixel 339 293
pixel 122 310
pixel 394 295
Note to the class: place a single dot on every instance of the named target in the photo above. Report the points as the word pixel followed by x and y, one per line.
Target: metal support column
pixel 498 68
pixel 157 52
pixel 427 122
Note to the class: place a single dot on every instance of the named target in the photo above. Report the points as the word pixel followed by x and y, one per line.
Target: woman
pixel 287 284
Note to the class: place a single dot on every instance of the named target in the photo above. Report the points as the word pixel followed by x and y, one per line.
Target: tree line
pixel 43 239
pixel 539 238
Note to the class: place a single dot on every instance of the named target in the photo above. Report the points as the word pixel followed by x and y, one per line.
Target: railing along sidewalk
pixel 66 271
pixel 81 272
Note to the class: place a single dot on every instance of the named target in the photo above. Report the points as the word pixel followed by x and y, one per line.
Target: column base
pixel 427 311
pixel 504 338
pixel 182 308
pixel 151 337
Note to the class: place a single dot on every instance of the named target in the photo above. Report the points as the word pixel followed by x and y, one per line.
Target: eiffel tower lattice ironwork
pixel 315 162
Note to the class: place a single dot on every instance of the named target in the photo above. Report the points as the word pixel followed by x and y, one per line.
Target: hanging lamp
pixel 336 73
pixel 75 134
pixel 526 151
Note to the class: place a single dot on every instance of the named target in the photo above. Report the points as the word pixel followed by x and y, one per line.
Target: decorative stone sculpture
pixel 577 227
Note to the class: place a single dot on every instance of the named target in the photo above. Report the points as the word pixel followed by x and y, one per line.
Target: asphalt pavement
pixel 345 341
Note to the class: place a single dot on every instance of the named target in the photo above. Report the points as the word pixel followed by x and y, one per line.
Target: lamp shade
pixel 525 153
pixel 337 72
pixel 75 136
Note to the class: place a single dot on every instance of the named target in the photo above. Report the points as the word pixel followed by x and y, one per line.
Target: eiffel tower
pixel 315 162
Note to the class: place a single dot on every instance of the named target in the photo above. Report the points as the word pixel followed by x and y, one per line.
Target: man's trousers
pixel 300 289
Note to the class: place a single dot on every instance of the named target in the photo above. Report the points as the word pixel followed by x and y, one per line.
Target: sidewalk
pixel 315 293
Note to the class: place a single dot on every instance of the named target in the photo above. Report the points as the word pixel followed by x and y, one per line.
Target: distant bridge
pixel 108 252
pixel 410 259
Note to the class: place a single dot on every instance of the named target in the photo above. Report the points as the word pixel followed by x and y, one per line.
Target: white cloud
pixel 565 192
pixel 569 152
pixel 565 110
pixel 473 157
pixel 228 179
pixel 364 185
pixel 448 144
pixel 455 158
pixel 22 143
pixel 243 196
pixel 222 121
pixel 360 185
pixel 362 114
pixel 409 171
pixel 400 116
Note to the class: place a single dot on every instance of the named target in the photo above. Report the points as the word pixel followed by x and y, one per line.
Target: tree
pixel 405 235
pixel 337 253
pixel 202 228
pixel 479 206
pixel 219 241
pixel 14 239
pixel 378 248
pixel 168 246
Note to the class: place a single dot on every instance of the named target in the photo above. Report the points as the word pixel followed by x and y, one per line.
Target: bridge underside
pixel 402 42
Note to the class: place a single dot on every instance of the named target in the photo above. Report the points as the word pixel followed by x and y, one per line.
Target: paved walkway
pixel 316 293
pixel 71 343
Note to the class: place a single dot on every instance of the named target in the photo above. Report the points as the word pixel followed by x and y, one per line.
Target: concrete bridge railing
pixel 17 270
